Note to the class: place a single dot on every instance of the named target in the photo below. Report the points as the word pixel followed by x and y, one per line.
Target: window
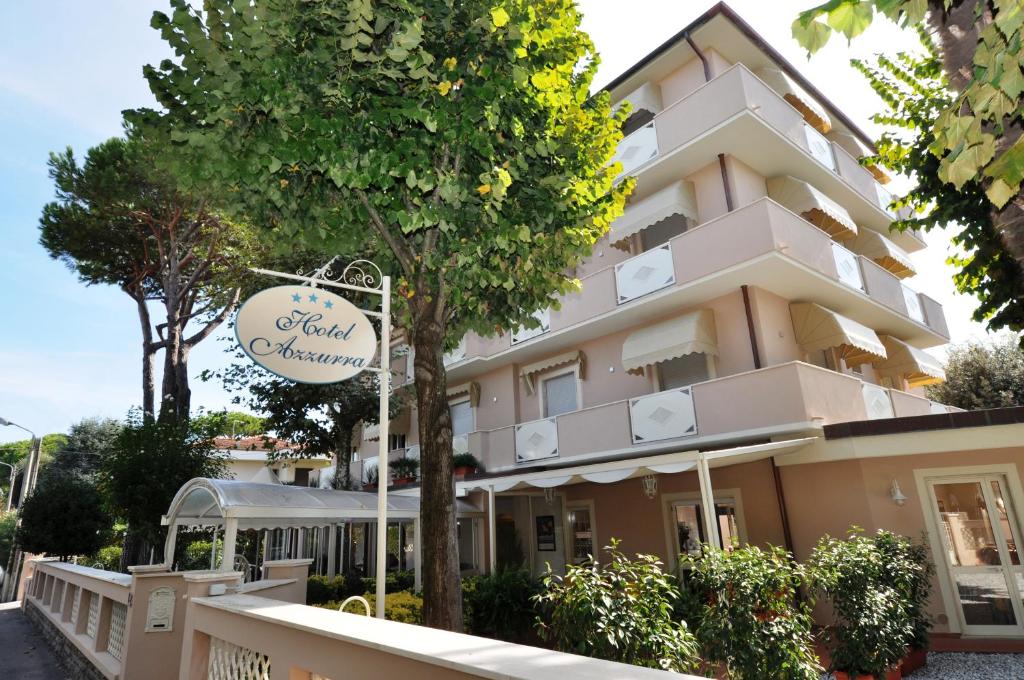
pixel 660 233
pixel 822 358
pixel 560 394
pixel 689 524
pixel 396 442
pixel 683 371
pixel 466 530
pixel 462 417
pixel 581 524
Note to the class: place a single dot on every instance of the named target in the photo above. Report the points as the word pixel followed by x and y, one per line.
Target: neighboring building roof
pixel 939 421
pixel 722 9
pixel 260 442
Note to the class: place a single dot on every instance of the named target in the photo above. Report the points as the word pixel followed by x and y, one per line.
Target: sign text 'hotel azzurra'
pixel 306 334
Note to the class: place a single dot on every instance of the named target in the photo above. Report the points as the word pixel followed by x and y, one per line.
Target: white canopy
pixel 676 199
pixel 916 366
pixel 687 334
pixel 818 328
pixel 813 112
pixel 209 502
pixel 883 251
pixel 812 205
pixel 529 371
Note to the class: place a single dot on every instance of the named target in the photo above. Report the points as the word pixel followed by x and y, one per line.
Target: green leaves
pixel 851 18
pixel 499 17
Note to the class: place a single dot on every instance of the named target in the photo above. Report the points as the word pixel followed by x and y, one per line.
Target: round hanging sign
pixel 305 334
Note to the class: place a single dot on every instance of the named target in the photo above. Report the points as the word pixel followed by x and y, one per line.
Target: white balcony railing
pixel 664 415
pixel 913 301
pixel 457 354
pixel 877 401
pixel 848 267
pixel 644 274
pixel 413 452
pixel 820 147
pixel 884 199
pixel 522 334
pixel 637 149
pixel 537 439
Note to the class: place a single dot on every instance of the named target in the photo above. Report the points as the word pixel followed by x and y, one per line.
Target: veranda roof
pixel 676 199
pixel 818 328
pixel 687 334
pixel 812 205
pixel 207 502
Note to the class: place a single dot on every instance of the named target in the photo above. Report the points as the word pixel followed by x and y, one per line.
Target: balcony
pixel 739 115
pixel 752 404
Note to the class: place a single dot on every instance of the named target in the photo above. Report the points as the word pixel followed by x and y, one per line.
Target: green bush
pixel 320 589
pixel 393 582
pixel 749 620
pixel 8 525
pixel 500 605
pixel 915 583
pixel 195 556
pixel 64 517
pixel 109 557
pixel 867 588
pixel 404 607
pixel 620 611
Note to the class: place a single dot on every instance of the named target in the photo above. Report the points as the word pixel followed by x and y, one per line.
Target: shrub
pixel 195 556
pixel 500 605
pixel 405 468
pixel 466 460
pixel 394 581
pixel 749 620
pixel 873 625
pixel 8 525
pixel 64 516
pixel 108 557
pixel 910 571
pixel 321 589
pixel 621 611
pixel 404 607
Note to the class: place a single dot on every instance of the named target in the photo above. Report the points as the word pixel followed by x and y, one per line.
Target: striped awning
pixel 676 199
pixel 529 372
pixel 819 328
pixel 687 334
pixel 813 112
pixel 916 366
pixel 884 252
pixel 813 206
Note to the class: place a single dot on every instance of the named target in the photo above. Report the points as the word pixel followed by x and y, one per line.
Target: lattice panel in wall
pixel 118 620
pixel 230 662
pixel 94 615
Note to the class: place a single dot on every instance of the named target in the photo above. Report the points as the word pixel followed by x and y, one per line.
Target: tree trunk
pixel 149 350
pixel 343 458
pixel 957 32
pixel 442 588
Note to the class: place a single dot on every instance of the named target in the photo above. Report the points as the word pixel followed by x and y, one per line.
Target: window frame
pixel 712 373
pixel 472 413
pixel 570 506
pixel 721 497
pixel 574 370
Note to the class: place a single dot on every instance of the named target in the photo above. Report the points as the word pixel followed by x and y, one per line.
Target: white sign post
pixel 310 335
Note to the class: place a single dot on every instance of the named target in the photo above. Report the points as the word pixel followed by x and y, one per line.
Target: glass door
pixel 980 541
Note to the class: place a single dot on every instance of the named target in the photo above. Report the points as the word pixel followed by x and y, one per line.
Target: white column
pixel 169 543
pixel 382 458
pixel 492 538
pixel 417 554
pixel 227 561
pixel 213 550
pixel 332 549
pixel 707 500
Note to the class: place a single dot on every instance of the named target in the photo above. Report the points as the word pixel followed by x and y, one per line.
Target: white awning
pixel 916 366
pixel 887 254
pixel 687 334
pixel 470 389
pixel 813 112
pixel 818 328
pixel 812 205
pixel 632 468
pixel 647 97
pixel 371 432
pixel 206 502
pixel 676 199
pixel 529 371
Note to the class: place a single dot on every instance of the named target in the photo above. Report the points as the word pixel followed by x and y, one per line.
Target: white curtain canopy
pixel 677 198
pixel 812 205
pixel 916 366
pixel 813 112
pixel 887 254
pixel 687 334
pixel 818 328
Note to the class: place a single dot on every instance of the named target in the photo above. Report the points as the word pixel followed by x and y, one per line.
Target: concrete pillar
pixel 332 550
pixel 707 499
pixel 492 538
pixel 227 562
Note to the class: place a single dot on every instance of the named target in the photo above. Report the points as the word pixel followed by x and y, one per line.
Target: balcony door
pixel 980 543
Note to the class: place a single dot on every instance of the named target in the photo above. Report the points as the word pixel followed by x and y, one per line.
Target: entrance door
pixel 981 546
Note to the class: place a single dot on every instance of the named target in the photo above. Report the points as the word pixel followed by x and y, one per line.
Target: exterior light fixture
pixel 896 493
pixel 650 484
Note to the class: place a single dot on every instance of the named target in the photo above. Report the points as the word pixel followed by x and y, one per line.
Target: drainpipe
pixel 780 495
pixel 751 330
pixel 721 157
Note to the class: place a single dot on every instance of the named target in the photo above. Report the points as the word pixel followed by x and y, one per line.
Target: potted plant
pixel 911 573
pixel 405 471
pixel 873 625
pixel 465 464
pixel 371 480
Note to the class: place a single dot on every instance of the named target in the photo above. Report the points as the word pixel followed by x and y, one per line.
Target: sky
pixel 67 70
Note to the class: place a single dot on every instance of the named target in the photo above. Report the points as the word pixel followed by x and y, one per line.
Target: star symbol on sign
pixel 296 298
pixel 312 298
pixel 328 304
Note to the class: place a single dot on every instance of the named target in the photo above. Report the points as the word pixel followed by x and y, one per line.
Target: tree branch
pixel 398 246
pixel 215 322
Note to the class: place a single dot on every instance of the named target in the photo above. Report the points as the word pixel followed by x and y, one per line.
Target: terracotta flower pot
pixel 369 487
pixel 404 481
pixel 915 659
pixel 464 470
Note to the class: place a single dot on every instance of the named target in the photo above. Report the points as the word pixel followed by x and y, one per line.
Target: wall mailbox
pixel 160 613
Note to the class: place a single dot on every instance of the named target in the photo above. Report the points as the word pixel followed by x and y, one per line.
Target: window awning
pixel 813 112
pixel 818 328
pixel 856 148
pixel 676 199
pixel 687 334
pixel 371 432
pixel 471 389
pixel 883 251
pixel 647 97
pixel 917 366
pixel 529 372
pixel 812 205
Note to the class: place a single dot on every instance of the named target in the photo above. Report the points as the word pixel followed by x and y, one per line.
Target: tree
pixel 977 137
pixel 143 470
pixel 87 441
pixel 459 138
pixel 915 91
pixel 16 453
pixel 233 423
pixel 118 220
pixel 980 375
pixel 63 516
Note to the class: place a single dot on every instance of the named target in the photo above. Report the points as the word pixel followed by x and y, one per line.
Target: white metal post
pixel 227 560
pixel 382 458
pixel 332 549
pixel 417 555
pixel 492 539
pixel 707 499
